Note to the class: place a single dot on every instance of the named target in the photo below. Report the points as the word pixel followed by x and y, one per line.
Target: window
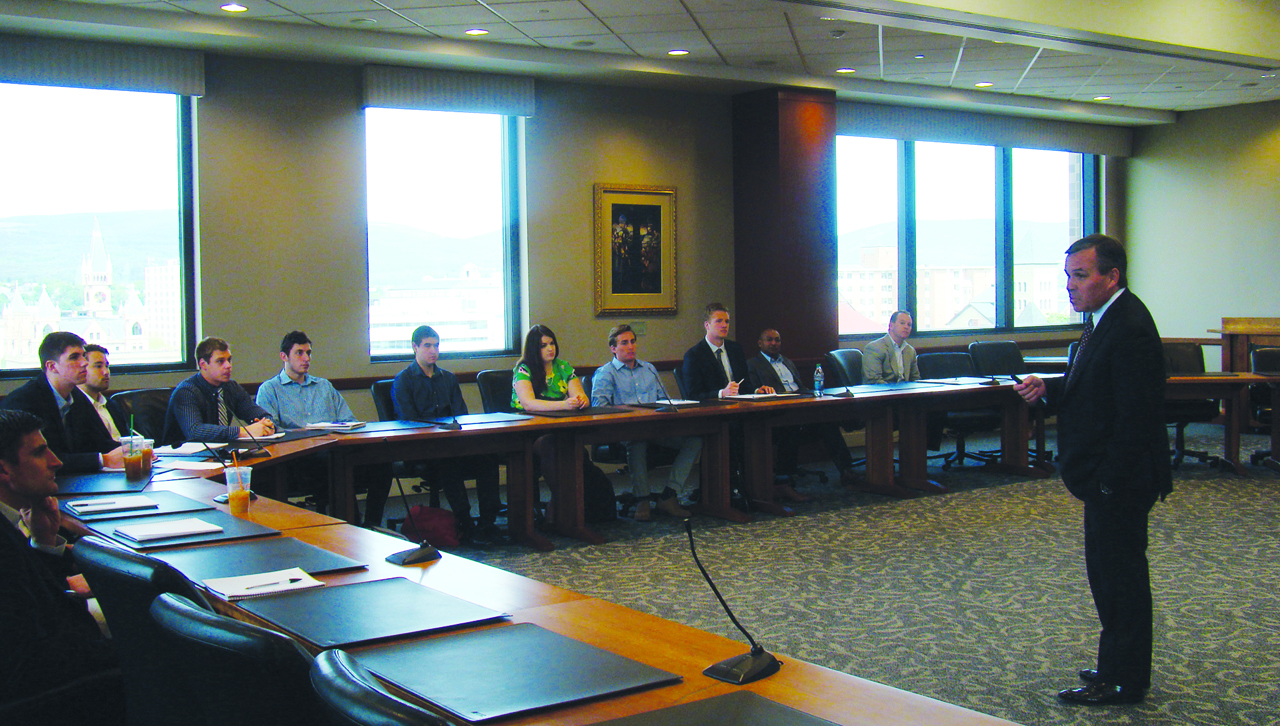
pixel 443 230
pixel 977 229
pixel 95 224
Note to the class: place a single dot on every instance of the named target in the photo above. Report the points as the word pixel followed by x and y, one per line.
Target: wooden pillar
pixel 784 172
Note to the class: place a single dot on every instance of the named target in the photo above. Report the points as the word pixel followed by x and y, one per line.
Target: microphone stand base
pixel 745 668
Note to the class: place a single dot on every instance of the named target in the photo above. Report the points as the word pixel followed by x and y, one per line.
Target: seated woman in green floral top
pixel 544 382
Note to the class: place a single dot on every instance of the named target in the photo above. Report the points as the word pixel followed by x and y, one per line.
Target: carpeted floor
pixel 976 597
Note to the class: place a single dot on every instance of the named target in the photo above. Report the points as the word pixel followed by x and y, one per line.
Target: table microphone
pixel 258 449
pixel 740 669
pixel 449 425
pixel 671 407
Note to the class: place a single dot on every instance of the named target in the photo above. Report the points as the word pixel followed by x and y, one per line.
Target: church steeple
pixel 95 274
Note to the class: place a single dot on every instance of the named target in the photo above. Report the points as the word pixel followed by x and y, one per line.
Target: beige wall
pixel 1203 218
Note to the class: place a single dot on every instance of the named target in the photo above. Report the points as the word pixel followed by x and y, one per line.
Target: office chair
pixel 962 423
pixel 238 674
pixel 146 408
pixel 1004 358
pixel 1187 359
pixel 382 403
pixel 350 696
pixel 1263 395
pixel 843 367
pixel 495 390
pixel 125 583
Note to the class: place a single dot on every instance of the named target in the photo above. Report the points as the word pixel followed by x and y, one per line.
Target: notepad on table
pixel 114 504
pixel 262 583
pixel 336 425
pixel 188 448
pixel 166 530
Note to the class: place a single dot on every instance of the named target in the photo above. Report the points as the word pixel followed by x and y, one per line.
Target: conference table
pixel 650 640
pixel 881 409
pixel 1231 389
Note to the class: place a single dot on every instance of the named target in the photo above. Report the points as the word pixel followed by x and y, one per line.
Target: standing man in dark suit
pixel 72 426
pixel 715 367
pixel 1114 451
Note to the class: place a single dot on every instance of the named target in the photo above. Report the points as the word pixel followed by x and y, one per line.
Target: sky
pixel 134 135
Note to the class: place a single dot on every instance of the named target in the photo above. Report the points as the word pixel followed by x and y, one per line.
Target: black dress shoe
pixel 1089 675
pixel 1102 694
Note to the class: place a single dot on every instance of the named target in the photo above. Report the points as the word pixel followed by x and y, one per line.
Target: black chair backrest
pixel 997 358
pixel 843 367
pixel 349 696
pixel 495 390
pixel 945 365
pixel 678 372
pixel 125 584
pixel 146 407
pixel 1183 358
pixel 587 380
pixel 239 674
pixel 1265 360
pixel 382 403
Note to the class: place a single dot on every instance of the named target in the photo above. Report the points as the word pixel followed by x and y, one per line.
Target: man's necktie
pixel 224 416
pixel 1084 339
pixel 720 360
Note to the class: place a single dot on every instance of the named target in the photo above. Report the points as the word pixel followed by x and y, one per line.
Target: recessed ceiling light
pixel 363 21
pixel 583 43
pixel 234 8
pixel 1102 98
pixel 846 70
pixel 838 33
pixel 919 56
pixel 476 31
pixel 984 84
pixel 1268 75
pixel 677 51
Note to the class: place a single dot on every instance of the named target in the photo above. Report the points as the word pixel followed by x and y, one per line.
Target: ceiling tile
pixel 633 8
pixel 651 24
pixel 838 45
pixel 385 19
pixel 599 43
pixel 400 4
pixel 498 32
pixel 547 10
pixel 561 28
pixel 750 19
pixel 750 35
pixel 451 15
pixel 771 49
pixel 304 7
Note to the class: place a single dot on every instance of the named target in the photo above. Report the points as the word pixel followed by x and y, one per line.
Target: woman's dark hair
pixel 532 357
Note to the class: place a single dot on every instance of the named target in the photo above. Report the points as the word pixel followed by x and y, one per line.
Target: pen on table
pixel 290 581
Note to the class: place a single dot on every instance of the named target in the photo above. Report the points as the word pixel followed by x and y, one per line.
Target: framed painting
pixel 635 249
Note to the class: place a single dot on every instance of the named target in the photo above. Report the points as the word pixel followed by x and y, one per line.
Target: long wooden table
pixel 1232 390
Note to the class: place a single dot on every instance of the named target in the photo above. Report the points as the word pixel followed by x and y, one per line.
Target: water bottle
pixel 817 380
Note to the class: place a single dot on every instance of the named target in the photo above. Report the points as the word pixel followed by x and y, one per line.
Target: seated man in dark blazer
pixel 72 427
pixel 50 638
pixel 771 369
pixel 203 407
pixel 716 367
pixel 96 385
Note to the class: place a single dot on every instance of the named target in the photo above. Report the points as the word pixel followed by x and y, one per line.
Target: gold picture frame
pixel 634 249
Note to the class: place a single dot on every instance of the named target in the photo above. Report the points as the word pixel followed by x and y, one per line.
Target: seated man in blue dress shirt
pixel 295 398
pixel 626 379
pixel 203 407
pixel 424 391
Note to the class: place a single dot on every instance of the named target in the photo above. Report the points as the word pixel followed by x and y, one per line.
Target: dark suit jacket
pixel 49 638
pixel 704 376
pixel 1112 439
pixel 84 436
pixel 760 372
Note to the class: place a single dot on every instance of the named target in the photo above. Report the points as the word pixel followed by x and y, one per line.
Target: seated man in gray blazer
pixel 891 359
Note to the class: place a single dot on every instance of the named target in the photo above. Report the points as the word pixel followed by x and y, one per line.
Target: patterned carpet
pixel 977 597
